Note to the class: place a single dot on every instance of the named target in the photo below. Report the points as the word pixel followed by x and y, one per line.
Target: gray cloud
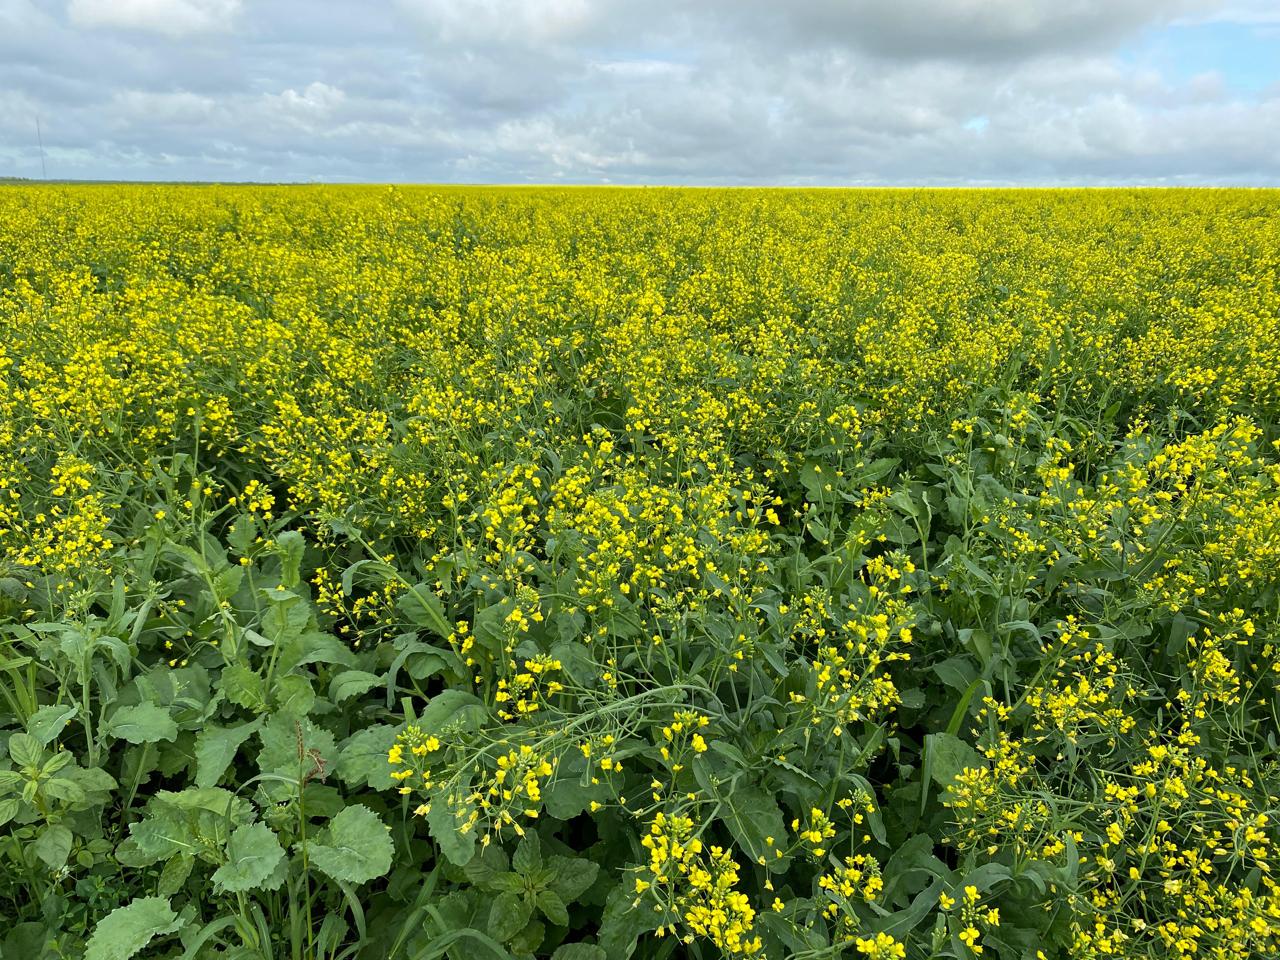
pixel 972 30
pixel 173 18
pixel 731 91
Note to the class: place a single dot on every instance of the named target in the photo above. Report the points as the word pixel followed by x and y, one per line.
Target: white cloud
pixel 732 91
pixel 316 100
pixel 173 18
pixel 502 21
pixel 1240 12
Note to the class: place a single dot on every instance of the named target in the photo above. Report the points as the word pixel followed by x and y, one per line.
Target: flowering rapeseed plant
pixel 397 572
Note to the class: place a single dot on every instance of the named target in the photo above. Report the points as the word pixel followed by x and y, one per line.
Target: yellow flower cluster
pixel 697 884
pixel 529 688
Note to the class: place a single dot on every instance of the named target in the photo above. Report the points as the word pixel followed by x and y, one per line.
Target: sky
pixel 804 92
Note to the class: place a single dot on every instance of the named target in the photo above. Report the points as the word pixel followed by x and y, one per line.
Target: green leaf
pixel 351 683
pixel 56 763
pixel 144 723
pixel 290 746
pixel 8 810
pixel 286 618
pixel 579 951
pixel 528 856
pixel 457 846
pixel 752 816
pixel 215 749
pixel 491 862
pixel 293 695
pixel 452 708
pixel 252 855
pixel 527 941
pixel 47 722
pixel 163 833
pixel 571 877
pixel 243 687
pixel 946 755
pixel 553 908
pixel 126 930
pixel 423 608
pixel 242 534
pixel 508 916
pixel 621 924
pixel 567 796
pixel 61 788
pixel 53 846
pixel 290 547
pixel 25 750
pixel 93 780
pixel 356 847
pixel 956 672
pixel 174 874
pixel 362 759
pixel 314 647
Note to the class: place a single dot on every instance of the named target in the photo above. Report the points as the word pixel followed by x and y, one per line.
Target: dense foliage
pixel 409 573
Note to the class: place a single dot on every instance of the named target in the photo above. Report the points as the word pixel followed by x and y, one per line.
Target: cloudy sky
pixel 651 91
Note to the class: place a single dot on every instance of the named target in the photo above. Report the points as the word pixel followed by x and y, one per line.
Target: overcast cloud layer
pixel 589 91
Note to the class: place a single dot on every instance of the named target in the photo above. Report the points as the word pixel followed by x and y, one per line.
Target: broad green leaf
pixel 227 581
pixel 946 756
pixel 93 780
pixel 252 855
pixel 174 875
pixel 53 846
pixel 351 683
pixel 8 809
pixel 579 951
pixel 243 687
pixel 621 924
pixel 25 750
pixel 566 795
pixel 56 763
pixel 526 941
pixel 503 882
pixel 215 749
pixel 126 930
pixel 47 722
pixel 452 708
pixel 242 534
pixel 294 747
pixel 355 847
pixel 314 647
pixel 293 695
pixel 508 915
pixel 62 788
pixel 143 723
pixel 423 608
pixel 290 547
pixel 457 846
pixel 571 877
pixel 214 800
pixel 528 856
pixel 362 758
pixel 163 833
pixel 752 816
pixel 553 908
pixel 286 617
pixel 489 863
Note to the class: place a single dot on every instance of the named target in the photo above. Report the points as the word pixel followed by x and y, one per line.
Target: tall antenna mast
pixel 44 172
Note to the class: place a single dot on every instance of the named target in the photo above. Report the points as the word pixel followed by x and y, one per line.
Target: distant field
pixel 592 573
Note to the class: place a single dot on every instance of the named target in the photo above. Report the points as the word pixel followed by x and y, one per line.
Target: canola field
pixel 586 574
